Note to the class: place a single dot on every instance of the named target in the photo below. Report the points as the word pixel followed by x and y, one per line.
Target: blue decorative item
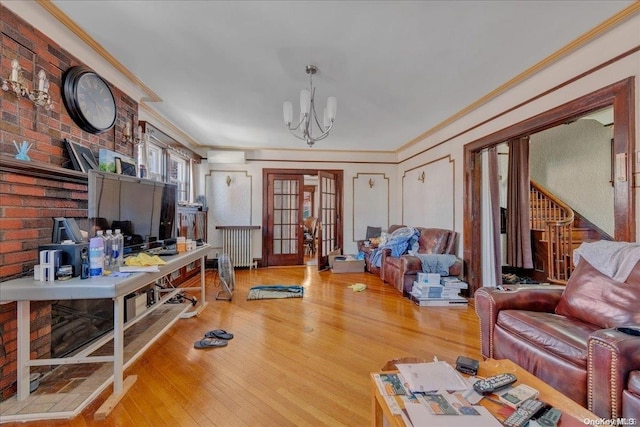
pixel 23 149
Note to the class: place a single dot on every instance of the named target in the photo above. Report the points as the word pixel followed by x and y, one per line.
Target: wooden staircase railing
pixel 555 218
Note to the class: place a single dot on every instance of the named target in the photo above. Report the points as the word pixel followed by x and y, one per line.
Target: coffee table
pixel 573 415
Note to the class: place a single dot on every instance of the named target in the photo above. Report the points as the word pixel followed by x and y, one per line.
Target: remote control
pixel 550 418
pixel 496 382
pixel 524 413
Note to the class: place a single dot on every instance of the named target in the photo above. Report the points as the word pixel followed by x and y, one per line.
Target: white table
pixel 25 290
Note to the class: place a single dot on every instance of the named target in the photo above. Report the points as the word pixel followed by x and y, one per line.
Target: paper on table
pixel 433 376
pixel 421 417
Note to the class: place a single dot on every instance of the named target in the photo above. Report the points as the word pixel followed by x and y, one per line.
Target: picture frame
pixel 107 160
pixel 127 168
pixel 82 158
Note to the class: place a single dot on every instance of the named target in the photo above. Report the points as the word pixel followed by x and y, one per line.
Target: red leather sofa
pixel 574 338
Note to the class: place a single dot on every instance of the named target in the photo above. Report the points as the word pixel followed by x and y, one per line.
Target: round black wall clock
pixel 88 100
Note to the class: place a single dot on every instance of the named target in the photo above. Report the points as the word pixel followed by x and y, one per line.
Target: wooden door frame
pixel 339 173
pixel 620 95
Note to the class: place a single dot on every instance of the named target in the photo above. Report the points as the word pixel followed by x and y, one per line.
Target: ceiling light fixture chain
pixel 304 129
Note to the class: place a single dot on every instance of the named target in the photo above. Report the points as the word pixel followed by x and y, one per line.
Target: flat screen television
pixel 141 208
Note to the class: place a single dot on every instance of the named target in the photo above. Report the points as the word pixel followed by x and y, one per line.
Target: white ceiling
pixel 398 68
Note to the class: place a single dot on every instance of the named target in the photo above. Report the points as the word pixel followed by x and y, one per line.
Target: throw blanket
pixel 436 263
pixel 613 259
pixel 398 242
pixel 275 292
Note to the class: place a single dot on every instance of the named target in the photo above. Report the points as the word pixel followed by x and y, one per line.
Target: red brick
pixel 11 200
pixel 72 186
pixel 9 127
pixel 22 213
pixel 7 315
pixel 79 196
pixel 11 329
pixel 9 223
pixel 20 257
pixel 44 331
pixel 10 347
pixel 22 179
pixel 10 107
pixel 7 247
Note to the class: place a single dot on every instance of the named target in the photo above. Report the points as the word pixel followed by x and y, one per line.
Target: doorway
pixel 284 211
pixel 620 96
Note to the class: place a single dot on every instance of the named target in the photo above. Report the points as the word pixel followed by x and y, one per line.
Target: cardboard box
pixel 332 255
pixel 349 265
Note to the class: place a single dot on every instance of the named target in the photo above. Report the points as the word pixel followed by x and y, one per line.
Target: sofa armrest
pixel 612 356
pixel 385 253
pixel 633 385
pixel 489 302
pixel 631 397
pixel 411 264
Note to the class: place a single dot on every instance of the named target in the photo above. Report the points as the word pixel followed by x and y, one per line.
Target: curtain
pixel 519 252
pixel 491 265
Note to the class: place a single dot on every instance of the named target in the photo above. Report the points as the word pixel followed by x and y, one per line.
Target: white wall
pixel 489 119
pixel 371 192
pixel 248 206
pixel 574 162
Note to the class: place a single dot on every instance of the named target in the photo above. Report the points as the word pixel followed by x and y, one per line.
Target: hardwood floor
pixel 296 362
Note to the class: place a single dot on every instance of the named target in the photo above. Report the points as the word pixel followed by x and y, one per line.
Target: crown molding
pixel 605 26
pixel 64 19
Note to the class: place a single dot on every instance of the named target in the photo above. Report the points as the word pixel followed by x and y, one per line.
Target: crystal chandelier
pixel 304 129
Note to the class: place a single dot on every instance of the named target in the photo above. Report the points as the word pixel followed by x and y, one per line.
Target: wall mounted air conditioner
pixel 226 157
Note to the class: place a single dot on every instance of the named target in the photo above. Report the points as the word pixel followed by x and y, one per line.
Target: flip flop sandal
pixel 219 333
pixel 209 343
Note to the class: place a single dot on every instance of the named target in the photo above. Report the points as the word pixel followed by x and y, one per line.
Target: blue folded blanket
pixel 436 263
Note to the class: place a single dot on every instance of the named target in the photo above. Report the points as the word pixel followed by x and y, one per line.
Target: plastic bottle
pixel 96 256
pixel 100 234
pixel 84 273
pixel 108 251
pixel 117 249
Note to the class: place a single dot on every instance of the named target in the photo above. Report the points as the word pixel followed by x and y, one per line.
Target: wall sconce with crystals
pixel 371 182
pixel 228 181
pixel 421 177
pixel 41 96
pixel 127 132
pixel 127 135
pixel 304 129
pixel 16 80
pixel 142 152
pixel 18 85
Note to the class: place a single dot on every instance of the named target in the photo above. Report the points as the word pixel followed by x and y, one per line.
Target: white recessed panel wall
pixel 429 202
pixel 229 199
pixel 370 203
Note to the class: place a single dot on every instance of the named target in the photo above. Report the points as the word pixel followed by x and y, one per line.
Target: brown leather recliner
pixel 402 271
pixel 631 397
pixel 573 338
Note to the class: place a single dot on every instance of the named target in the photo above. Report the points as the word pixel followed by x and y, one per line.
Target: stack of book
pixel 430 290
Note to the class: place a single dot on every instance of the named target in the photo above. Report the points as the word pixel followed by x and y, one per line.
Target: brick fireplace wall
pixel 32 193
